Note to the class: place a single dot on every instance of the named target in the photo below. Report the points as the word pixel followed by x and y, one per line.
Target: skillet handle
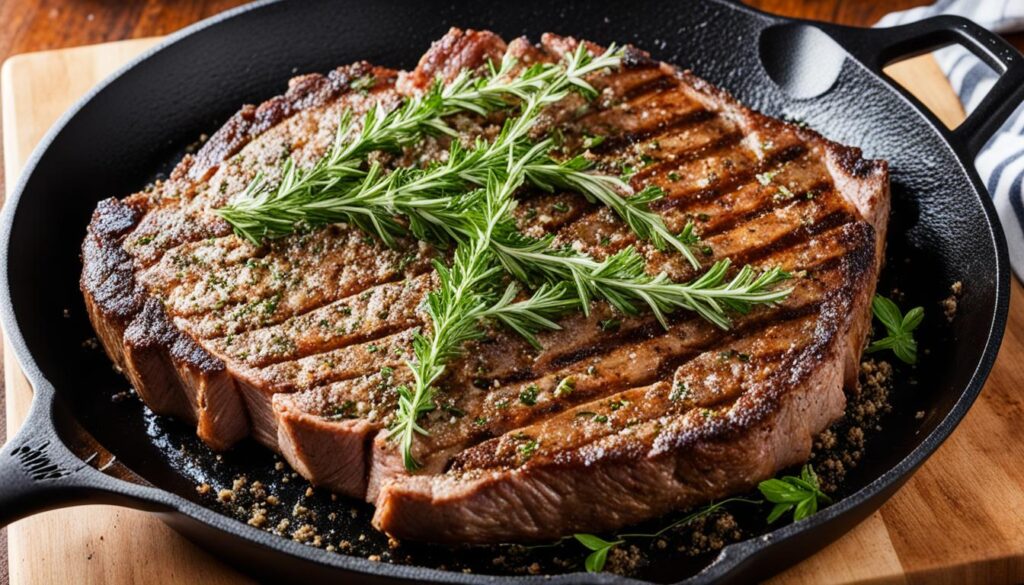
pixel 39 473
pixel 878 47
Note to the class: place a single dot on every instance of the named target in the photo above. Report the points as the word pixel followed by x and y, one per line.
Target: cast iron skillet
pixel 141 119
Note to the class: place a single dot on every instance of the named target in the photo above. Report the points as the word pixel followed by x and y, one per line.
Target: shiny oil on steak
pixel 300 343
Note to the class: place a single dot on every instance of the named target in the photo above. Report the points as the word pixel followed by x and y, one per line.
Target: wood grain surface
pixel 938 528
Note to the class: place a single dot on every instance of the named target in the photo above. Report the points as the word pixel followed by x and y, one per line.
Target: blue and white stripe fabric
pixel 1001 163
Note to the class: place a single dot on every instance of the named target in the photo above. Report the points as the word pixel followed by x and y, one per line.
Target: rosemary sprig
pixel 464 300
pixel 251 215
pixel 336 189
pixel 621 280
pixel 607 189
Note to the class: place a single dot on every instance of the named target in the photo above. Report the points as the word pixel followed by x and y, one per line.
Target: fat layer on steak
pixel 300 343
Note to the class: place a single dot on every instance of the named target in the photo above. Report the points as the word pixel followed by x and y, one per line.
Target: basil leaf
pixel 912 319
pixel 592 542
pixel 777 511
pixel 595 560
pixel 805 508
pixel 778 491
pixel 887 312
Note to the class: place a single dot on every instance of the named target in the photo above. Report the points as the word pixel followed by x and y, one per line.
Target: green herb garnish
pixel 800 494
pixel 679 392
pixel 565 387
pixel 339 186
pixel 899 328
pixel 528 395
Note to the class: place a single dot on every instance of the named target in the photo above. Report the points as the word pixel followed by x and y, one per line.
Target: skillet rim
pixel 732 559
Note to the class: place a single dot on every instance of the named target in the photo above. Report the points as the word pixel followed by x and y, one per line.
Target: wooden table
pixel 30 26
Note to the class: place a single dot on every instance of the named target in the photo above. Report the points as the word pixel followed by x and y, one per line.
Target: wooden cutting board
pixel 959 519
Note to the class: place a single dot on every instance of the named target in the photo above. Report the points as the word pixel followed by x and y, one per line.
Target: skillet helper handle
pixel 878 47
pixel 39 473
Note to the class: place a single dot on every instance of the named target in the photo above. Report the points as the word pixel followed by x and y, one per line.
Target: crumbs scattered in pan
pixel 841 447
pixel 950 304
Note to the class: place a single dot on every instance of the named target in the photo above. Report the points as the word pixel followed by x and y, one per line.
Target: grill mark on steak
pixel 683 121
pixel 643 329
pixel 681 198
pixel 640 405
pixel 717 146
pixel 713 212
pixel 368 316
pixel 344 363
pixel 674 111
pixel 654 85
pixel 598 417
pixel 212 325
pixel 572 365
pixel 833 219
pixel 722 223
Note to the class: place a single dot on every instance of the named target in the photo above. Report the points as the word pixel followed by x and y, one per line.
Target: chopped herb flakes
pixel 527 449
pixel 766 177
pixel 679 392
pixel 565 387
pixel 528 395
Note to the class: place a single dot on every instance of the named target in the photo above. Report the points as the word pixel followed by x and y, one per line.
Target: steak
pixel 301 342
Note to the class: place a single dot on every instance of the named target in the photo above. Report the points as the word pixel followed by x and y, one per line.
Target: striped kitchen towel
pixel 1001 162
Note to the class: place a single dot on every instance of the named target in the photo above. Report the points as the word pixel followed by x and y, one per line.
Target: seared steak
pixel 301 342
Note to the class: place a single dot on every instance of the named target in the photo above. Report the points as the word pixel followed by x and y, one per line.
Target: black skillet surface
pixel 141 120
